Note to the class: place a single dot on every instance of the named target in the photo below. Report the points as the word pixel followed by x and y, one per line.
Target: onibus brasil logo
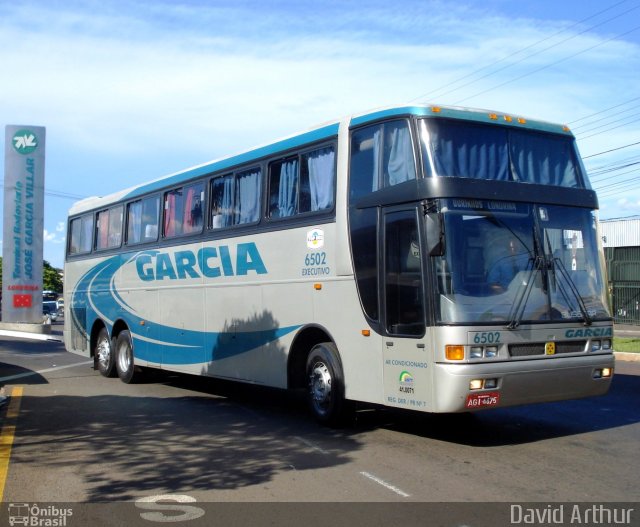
pixel 24 141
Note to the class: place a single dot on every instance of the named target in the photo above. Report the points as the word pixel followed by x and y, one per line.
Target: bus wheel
pixel 104 354
pixel 124 358
pixel 326 385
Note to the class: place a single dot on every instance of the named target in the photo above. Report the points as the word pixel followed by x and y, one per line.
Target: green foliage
pixel 51 279
pixel 628 345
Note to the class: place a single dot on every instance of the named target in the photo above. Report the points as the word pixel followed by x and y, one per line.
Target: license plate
pixel 482 400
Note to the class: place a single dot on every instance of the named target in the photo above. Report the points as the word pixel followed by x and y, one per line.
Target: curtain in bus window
pixel 222 202
pixel 363 163
pixel 287 191
pixel 400 166
pixel 150 213
pixel 103 230
pixel 170 214
pixel 463 150
pixel 86 237
pixel 74 244
pixel 134 222
pixel 248 201
pixel 544 159
pixel 321 165
pixel 115 227
pixel 377 140
pixel 192 221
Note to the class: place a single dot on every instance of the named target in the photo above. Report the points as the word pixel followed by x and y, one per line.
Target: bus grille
pixel 537 348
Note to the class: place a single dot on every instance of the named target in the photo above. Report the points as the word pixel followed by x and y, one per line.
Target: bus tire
pixel 105 354
pixel 124 358
pixel 325 382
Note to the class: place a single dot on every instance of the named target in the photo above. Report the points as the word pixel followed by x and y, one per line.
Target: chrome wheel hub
pixel 104 352
pixel 321 384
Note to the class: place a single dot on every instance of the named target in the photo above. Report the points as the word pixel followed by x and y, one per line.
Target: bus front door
pixel 407 377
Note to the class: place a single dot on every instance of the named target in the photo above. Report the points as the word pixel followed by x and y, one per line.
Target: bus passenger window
pixel 81 230
pixel 247 206
pixel 235 199
pixel 398 165
pixel 183 210
pixel 222 202
pixel 381 156
pixel 317 180
pixel 283 188
pixel 142 220
pixel 192 220
pixel 365 148
pixel 109 228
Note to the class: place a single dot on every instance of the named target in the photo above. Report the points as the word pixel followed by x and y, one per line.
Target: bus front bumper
pixel 520 382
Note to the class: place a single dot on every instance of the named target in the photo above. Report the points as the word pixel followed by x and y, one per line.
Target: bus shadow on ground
pixel 124 447
pixel 11 373
pixel 522 424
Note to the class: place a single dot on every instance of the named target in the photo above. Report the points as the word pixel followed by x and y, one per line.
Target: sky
pixel 133 90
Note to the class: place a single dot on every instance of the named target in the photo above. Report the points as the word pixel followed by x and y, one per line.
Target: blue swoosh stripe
pixel 94 294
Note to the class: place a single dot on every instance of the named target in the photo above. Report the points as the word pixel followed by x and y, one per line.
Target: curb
pixel 626 356
pixel 29 336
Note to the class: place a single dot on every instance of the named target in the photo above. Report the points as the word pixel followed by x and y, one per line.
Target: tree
pixel 51 279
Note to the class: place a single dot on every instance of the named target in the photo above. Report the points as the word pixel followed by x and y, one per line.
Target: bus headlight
pixel 483 384
pixel 606 344
pixel 490 384
pixel 602 373
pixel 596 345
pixel 491 351
pixel 476 352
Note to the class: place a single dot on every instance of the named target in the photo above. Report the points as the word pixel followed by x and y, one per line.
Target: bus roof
pixel 319 133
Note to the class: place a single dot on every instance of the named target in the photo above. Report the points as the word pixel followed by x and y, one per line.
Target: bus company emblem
pixel 315 239
pixel 550 348
pixel 24 142
pixel 406 382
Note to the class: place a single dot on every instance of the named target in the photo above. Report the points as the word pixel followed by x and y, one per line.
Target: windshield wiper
pixel 572 287
pixel 517 311
pixel 539 263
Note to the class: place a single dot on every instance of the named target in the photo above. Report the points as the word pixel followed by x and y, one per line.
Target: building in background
pixel 621 240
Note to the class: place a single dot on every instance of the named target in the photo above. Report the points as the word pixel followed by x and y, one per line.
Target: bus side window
pixel 183 210
pixel 317 180
pixel 247 196
pixel 381 156
pixel 235 198
pixel 398 165
pixel 173 213
pixel 142 220
pixel 81 230
pixel 222 201
pixel 365 147
pixel 109 228
pixel 283 188
pixel 194 198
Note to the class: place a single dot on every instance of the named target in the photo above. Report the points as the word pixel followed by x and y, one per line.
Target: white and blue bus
pixel 428 258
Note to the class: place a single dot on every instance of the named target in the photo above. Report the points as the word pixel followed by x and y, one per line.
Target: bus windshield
pixel 508 263
pixel 471 150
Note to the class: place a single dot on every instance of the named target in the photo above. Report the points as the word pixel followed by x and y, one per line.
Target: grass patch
pixel 628 345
